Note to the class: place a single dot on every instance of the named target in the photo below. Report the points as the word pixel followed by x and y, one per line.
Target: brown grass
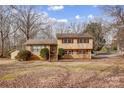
pixel 63 74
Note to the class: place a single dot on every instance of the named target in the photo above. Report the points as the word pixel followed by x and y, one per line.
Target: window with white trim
pixel 82 51
pixel 36 48
pixel 83 40
pixel 68 52
pixel 67 40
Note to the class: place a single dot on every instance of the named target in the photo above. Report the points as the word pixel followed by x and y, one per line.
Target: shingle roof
pixel 72 35
pixel 41 42
pixel 53 41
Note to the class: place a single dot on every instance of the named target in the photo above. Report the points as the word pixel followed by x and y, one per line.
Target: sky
pixel 72 12
pixel 68 13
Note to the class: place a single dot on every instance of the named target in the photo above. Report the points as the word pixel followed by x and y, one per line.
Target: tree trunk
pixel 27 37
pixel 2 48
pixel 2 45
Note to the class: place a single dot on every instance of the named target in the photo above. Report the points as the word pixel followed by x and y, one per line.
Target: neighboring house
pixel 75 46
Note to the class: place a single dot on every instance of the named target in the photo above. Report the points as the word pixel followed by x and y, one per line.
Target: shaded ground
pixel 105 72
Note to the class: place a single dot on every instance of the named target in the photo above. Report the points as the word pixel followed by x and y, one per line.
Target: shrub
pixel 60 52
pixel 23 55
pixel 114 48
pixel 44 53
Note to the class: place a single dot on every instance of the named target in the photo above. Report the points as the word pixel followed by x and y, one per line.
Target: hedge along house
pixel 75 46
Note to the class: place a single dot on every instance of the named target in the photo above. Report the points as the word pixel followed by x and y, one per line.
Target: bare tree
pixel 77 27
pixel 61 27
pixel 29 20
pixel 5 23
pixel 116 13
pixel 4 26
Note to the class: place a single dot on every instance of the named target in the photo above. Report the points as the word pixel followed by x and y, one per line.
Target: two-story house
pixel 74 45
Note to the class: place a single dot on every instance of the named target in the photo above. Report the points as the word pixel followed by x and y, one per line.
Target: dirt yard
pixel 104 72
pixel 6 61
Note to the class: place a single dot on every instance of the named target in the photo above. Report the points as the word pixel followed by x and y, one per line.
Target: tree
pixel 116 12
pixel 5 24
pixel 77 27
pixel 95 30
pixel 29 20
pixel 61 27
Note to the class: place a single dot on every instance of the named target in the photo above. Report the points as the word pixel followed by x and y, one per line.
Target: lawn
pixel 94 73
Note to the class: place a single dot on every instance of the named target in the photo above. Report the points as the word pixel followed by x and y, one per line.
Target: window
pixel 85 52
pixel 67 40
pixel 83 40
pixel 37 48
pixel 64 40
pixel 82 51
pixel 86 40
pixel 65 52
pixel 79 51
pixel 68 52
pixel 80 40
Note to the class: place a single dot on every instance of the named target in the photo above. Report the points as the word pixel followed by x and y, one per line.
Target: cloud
pixel 54 20
pixel 51 20
pixel 77 17
pixel 55 7
pixel 62 20
pixel 90 16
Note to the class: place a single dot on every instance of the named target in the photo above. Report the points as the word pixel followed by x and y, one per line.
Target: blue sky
pixel 72 12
